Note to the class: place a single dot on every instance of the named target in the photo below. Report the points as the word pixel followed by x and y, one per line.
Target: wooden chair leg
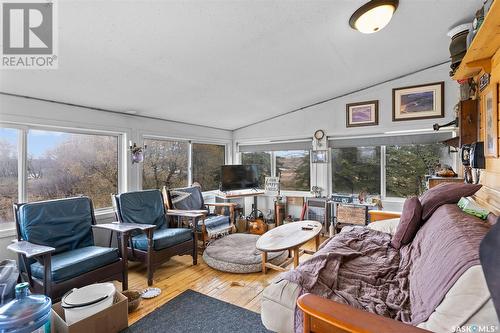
pixel 195 247
pixel 204 237
pixel 149 258
pixel 124 252
pixel 47 275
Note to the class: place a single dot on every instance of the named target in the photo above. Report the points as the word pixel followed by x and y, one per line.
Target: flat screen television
pixel 239 177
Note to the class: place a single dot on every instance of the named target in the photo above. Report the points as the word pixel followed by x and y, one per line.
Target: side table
pixel 123 231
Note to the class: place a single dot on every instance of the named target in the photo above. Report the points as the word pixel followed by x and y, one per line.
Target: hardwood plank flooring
pixel 179 274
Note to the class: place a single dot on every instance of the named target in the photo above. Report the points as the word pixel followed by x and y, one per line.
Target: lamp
pixel 136 152
pixel 373 15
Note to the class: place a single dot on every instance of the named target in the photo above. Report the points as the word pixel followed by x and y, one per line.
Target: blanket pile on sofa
pixel 359 267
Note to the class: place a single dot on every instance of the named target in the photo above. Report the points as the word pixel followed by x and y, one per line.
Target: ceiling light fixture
pixel 373 16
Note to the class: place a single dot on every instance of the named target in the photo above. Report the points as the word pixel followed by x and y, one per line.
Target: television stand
pixel 240 195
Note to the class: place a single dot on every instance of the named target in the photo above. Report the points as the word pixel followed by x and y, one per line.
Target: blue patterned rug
pixel 195 312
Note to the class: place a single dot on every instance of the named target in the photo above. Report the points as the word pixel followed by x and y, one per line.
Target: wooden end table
pixel 123 231
pixel 289 237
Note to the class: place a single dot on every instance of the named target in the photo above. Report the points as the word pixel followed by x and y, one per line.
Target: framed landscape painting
pixel 418 102
pixel 362 114
pixel 490 124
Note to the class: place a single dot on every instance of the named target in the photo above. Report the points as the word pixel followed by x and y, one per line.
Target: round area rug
pixel 236 253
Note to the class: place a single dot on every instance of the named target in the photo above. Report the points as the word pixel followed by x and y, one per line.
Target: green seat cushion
pixel 73 263
pixel 163 238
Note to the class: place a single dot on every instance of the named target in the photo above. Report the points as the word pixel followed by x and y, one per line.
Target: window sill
pixel 290 193
pixel 104 211
pixel 8 230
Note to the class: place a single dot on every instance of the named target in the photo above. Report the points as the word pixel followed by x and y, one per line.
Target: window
pixel 165 164
pixel 294 167
pixel 207 160
pixel 263 162
pixel 407 165
pixel 8 173
pixel 356 169
pixel 62 164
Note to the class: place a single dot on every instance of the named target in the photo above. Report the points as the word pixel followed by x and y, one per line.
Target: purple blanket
pixel 359 268
pixel 443 249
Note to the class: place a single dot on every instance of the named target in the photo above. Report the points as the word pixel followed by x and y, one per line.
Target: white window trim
pixel 272 155
pixel 22 147
pixel 148 136
pixel 383 176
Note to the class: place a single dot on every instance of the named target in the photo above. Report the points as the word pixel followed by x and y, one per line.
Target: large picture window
pixel 8 173
pixel 407 165
pixel 206 161
pixel 63 164
pixel 263 162
pixel 294 167
pixel 355 170
pixel 165 164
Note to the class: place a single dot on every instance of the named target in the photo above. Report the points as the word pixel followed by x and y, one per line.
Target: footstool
pixel 236 253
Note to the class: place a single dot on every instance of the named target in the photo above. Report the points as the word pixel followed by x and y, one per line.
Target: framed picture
pixel 418 102
pixel 362 114
pixel 320 156
pixel 490 123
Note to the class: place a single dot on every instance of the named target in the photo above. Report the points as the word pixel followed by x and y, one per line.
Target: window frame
pixel 149 136
pixel 272 155
pixel 190 159
pixel 383 174
pixel 22 143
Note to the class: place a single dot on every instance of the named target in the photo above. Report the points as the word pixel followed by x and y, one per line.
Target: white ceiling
pixel 228 64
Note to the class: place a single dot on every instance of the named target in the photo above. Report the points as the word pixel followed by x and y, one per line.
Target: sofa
pixel 466 302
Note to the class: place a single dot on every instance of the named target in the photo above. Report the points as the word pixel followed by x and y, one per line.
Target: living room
pixel 249 166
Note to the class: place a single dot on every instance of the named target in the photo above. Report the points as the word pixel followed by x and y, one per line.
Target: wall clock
pixel 319 134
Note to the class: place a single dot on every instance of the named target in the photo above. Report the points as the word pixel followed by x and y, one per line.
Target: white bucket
pixel 84 302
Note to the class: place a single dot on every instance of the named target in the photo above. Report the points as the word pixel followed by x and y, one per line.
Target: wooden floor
pixel 179 274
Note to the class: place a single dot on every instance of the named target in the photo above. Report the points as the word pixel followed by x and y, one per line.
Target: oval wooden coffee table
pixel 289 236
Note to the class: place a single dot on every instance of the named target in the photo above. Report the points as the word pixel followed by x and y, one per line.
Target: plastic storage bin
pixel 84 302
pixel 26 313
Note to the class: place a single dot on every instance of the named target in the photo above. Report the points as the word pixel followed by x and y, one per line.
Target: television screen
pixel 239 177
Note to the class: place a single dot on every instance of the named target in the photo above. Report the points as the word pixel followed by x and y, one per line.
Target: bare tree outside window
pixel 62 165
pixel 294 166
pixel 8 173
pixel 263 162
pixel 165 164
pixel 207 160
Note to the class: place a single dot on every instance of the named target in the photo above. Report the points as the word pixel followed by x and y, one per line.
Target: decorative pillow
pixel 388 226
pixel 410 222
pixel 446 193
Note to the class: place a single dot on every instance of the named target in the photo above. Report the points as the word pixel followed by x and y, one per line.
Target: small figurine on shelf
pixel 377 202
pixel 316 191
pixel 445 171
pixel 362 197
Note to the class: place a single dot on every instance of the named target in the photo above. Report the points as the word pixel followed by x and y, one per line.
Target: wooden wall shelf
pixel 483 46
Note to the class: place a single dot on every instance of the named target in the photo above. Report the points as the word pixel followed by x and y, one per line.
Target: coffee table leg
pixel 316 242
pixel 264 260
pixel 296 254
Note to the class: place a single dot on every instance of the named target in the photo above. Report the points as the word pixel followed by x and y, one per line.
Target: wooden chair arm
pixel 222 204
pixel 378 215
pixel 346 318
pixel 30 250
pixel 187 213
pixel 124 227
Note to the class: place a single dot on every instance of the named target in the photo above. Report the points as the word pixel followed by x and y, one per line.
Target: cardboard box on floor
pixel 111 320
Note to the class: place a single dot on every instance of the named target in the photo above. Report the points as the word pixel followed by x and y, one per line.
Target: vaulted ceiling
pixel 228 64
